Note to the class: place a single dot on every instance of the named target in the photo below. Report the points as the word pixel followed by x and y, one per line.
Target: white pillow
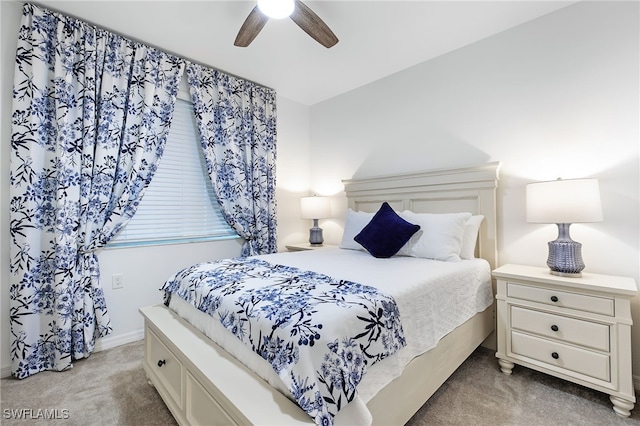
pixel 439 237
pixel 471 228
pixel 353 224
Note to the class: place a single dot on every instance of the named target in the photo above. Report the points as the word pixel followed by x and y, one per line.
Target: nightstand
pixel 578 329
pixel 306 246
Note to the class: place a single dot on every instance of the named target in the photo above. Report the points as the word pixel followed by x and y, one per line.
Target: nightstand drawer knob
pixel 161 363
pixel 554 298
pixel 554 327
pixel 555 355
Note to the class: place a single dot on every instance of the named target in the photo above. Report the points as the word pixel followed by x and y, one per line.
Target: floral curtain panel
pixel 90 117
pixel 237 123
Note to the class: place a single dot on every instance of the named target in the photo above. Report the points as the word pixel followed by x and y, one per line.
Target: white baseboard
pixel 101 345
pixel 5 372
pixel 121 339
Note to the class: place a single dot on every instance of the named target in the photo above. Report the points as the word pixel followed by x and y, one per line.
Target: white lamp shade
pixel 315 207
pixel 277 9
pixel 564 201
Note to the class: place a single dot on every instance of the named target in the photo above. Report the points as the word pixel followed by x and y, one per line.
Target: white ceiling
pixel 377 38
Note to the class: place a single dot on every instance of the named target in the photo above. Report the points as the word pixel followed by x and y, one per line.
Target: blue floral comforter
pixel 318 333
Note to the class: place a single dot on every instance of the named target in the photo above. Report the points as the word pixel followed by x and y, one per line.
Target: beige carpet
pixel 110 388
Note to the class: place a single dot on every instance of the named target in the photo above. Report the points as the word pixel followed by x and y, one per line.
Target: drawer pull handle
pixel 554 298
pixel 555 355
pixel 161 362
pixel 554 327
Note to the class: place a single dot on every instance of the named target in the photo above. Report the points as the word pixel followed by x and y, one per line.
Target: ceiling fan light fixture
pixel 276 9
pixel 299 13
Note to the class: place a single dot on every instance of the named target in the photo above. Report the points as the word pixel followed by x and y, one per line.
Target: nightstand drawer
pixel 570 330
pixel 568 357
pixel 582 302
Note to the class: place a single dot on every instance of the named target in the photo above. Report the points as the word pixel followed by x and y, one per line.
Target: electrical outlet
pixel 117 281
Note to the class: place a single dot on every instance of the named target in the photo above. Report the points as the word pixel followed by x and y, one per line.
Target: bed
pixel 202 383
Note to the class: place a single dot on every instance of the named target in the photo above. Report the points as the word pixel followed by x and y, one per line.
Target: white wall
pixel 146 269
pixel 293 171
pixel 557 96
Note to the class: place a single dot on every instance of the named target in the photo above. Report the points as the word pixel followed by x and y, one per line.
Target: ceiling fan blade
pixel 250 28
pixel 313 25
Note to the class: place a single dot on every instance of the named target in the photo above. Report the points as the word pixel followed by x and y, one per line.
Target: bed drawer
pixel 570 358
pixel 581 302
pixel 570 330
pixel 202 409
pixel 166 366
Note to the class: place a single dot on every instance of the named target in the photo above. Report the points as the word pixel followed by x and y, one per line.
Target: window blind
pixel 179 205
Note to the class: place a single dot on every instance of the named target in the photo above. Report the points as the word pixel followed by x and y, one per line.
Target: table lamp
pixel 315 208
pixel 564 202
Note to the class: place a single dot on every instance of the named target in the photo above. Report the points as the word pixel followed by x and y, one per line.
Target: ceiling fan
pixel 300 13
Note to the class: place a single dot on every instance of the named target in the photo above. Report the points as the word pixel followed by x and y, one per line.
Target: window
pixel 179 205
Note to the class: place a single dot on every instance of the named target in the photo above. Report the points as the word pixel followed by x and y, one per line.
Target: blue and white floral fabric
pixel 319 334
pixel 91 111
pixel 237 123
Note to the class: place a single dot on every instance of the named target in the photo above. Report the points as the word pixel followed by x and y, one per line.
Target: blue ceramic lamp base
pixel 315 234
pixel 565 255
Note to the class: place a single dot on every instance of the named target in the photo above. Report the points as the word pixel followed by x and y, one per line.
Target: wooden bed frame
pixel 203 384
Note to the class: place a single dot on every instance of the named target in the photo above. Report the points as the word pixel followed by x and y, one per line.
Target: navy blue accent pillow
pixel 386 233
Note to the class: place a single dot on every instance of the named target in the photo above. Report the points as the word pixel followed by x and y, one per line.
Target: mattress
pixel 433 298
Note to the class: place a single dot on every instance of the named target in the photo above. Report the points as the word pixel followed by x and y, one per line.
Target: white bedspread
pixel 433 298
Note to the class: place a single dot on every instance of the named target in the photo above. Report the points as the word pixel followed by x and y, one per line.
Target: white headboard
pixel 468 189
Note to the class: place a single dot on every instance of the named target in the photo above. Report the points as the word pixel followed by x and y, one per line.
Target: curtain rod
pixel 50 9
